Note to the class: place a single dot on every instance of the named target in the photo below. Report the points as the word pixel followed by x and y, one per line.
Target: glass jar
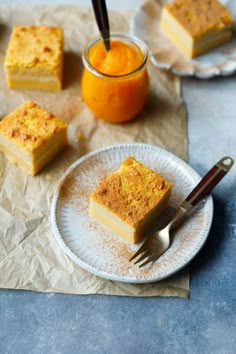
pixel 118 91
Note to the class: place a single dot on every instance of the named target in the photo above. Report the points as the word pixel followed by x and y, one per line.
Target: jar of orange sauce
pixel 115 84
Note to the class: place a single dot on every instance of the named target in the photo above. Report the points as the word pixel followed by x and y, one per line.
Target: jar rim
pixel 129 38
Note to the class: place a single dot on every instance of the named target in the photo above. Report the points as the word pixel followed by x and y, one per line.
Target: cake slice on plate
pixel 196 26
pixel 129 200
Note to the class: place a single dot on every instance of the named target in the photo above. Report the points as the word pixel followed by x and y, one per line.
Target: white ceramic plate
pixel 145 24
pixel 99 250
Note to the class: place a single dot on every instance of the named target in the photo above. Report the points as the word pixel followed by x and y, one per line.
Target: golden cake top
pixel 35 46
pixel 200 16
pixel 29 126
pixel 132 191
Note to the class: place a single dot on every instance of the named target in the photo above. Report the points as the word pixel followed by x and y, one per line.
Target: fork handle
pixel 210 180
pixel 207 183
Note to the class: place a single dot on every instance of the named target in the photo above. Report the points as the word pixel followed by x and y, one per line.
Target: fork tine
pixel 139 251
pixel 142 257
pixel 149 260
pixel 152 258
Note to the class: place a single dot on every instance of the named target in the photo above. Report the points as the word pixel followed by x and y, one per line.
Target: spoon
pixel 100 11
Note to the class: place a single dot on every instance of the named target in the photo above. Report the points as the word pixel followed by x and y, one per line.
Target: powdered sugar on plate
pixel 97 249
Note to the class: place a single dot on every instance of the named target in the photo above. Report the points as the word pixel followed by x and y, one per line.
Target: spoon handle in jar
pixel 100 11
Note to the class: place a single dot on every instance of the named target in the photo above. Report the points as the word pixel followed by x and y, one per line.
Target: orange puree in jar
pixel 115 83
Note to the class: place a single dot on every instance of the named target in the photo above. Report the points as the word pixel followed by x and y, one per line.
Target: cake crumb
pixel 81 136
pixel 48 176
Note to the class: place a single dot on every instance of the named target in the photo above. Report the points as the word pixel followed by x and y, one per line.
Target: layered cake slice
pixel 30 136
pixel 196 26
pixel 34 58
pixel 130 199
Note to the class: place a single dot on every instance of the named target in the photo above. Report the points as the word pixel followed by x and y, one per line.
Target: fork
pixel 159 242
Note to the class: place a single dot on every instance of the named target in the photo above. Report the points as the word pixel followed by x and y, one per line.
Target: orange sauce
pixel 118 87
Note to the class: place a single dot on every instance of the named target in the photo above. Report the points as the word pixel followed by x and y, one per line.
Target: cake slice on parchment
pixel 34 58
pixel 30 136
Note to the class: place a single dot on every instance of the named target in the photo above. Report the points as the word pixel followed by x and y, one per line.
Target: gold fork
pixel 158 243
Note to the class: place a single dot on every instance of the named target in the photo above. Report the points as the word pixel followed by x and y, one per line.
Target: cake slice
pixel 30 136
pixel 34 58
pixel 130 199
pixel 195 27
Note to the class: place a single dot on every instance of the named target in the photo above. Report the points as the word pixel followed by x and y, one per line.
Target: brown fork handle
pixel 210 180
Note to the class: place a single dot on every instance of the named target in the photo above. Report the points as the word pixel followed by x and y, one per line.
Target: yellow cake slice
pixel 196 26
pixel 30 136
pixel 130 199
pixel 34 58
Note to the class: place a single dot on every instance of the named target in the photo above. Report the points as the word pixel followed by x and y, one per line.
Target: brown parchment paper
pixel 30 257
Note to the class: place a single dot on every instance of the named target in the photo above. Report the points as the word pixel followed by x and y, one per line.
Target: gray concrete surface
pixel 39 323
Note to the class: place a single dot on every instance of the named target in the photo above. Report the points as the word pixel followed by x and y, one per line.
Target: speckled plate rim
pixel 202 67
pixel 60 239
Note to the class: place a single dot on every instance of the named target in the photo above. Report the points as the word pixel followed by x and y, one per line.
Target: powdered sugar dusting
pixel 99 250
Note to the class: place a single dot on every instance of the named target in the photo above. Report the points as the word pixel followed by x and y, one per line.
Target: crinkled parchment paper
pixel 30 257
